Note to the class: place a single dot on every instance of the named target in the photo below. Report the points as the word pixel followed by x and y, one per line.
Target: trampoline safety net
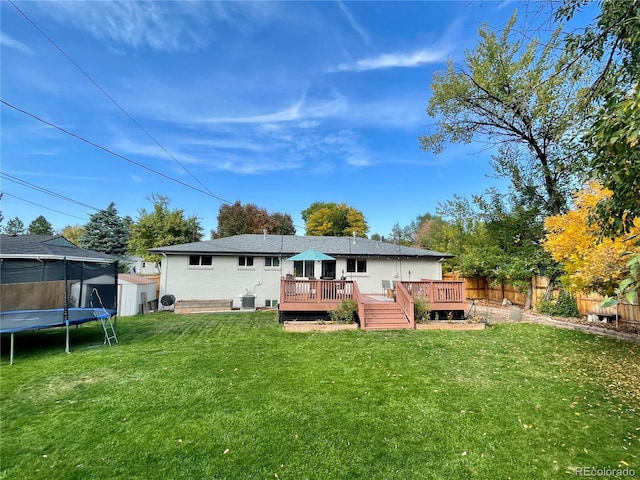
pixel 44 284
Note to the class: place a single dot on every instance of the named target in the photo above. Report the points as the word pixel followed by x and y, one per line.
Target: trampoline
pixel 17 321
pixel 47 282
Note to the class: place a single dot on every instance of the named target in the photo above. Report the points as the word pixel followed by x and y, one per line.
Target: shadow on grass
pixel 39 343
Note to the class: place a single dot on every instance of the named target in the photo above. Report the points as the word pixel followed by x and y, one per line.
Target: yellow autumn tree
pixel 592 262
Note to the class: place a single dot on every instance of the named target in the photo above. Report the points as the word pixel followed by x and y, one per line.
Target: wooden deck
pixel 375 311
pixel 313 295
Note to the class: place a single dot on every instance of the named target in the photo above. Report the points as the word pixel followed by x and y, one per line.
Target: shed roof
pixel 135 279
pixel 54 247
pixel 287 245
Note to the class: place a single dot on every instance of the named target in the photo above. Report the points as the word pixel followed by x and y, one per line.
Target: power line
pixel 44 190
pixel 113 100
pixel 42 206
pixel 110 152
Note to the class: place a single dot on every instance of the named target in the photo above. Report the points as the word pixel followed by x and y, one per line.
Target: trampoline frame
pixel 31 317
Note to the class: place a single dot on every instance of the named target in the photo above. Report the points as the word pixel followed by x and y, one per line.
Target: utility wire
pixel 114 102
pixel 44 190
pixel 104 149
pixel 42 206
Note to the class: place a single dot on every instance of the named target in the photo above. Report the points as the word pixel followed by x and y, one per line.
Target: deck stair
pixel 384 316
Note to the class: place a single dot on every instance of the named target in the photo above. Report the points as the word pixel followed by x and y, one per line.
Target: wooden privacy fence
pixel 481 289
pixel 32 295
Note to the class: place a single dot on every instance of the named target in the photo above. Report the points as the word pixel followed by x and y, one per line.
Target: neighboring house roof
pixel 288 245
pixel 135 279
pixel 54 247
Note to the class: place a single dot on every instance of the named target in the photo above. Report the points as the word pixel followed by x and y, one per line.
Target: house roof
pixel 47 247
pixel 288 245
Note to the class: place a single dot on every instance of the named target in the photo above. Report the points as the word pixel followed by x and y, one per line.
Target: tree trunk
pixel 527 302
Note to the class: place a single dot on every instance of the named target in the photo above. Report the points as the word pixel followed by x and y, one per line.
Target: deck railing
pixel 324 295
pixel 438 291
pixel 405 300
pixel 357 296
pixel 315 291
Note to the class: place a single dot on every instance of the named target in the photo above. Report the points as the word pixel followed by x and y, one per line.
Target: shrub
pixel 564 306
pixel 345 311
pixel 421 309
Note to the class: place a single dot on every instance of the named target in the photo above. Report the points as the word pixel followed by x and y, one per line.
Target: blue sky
pixel 279 104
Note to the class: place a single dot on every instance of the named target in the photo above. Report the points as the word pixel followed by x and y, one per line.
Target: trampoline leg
pixel 67 342
pixel 11 351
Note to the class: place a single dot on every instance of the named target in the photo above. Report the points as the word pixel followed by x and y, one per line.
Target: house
pixel 140 266
pixel 252 271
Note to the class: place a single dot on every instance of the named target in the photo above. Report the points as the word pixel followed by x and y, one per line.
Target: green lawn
pixel 234 396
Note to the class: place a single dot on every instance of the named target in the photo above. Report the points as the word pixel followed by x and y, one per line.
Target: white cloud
pixel 10 42
pixel 163 26
pixel 354 24
pixel 300 110
pixel 394 60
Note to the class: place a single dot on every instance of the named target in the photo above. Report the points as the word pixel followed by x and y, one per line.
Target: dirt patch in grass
pixel 318 327
pixel 450 326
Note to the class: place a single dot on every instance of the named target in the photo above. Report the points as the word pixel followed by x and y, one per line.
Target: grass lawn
pixel 234 396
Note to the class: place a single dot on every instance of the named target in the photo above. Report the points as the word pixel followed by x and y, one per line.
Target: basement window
pixel 200 260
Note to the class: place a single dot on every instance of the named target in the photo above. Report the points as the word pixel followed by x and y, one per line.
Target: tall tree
pixel 73 233
pixel 162 227
pixel 521 98
pixel 334 219
pixel 591 263
pixel 401 235
pixel 611 42
pixel 14 227
pixel 40 226
pixel 495 236
pixel 239 219
pixel 430 232
pixel 106 232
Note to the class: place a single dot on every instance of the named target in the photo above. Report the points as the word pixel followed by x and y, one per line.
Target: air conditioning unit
pixel 248 302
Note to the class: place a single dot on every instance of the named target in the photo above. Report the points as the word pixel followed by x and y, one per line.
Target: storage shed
pixel 136 295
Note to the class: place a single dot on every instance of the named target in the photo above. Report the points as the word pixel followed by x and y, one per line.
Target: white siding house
pixel 228 268
pixel 140 266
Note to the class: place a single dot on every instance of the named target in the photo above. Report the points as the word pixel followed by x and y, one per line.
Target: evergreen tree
pixel 14 227
pixel 106 232
pixel 40 226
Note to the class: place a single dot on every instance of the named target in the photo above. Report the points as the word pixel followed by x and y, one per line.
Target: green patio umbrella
pixel 310 255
